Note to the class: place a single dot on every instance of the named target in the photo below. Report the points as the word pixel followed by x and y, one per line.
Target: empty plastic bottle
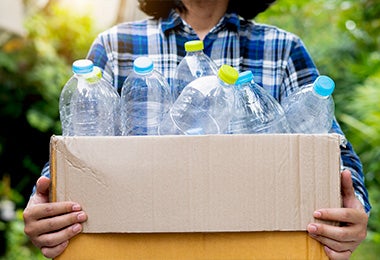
pixel 195 64
pixel 86 106
pixel 204 106
pixel 310 110
pixel 145 98
pixel 255 110
pixel 80 68
pixel 114 95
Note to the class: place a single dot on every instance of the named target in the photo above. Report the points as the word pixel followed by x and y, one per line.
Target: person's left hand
pixel 340 241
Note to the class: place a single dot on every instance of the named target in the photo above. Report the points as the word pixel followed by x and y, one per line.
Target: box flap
pixel 197 183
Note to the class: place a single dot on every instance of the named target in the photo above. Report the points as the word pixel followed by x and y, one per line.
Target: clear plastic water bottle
pixel 80 68
pixel 255 110
pixel 311 109
pixel 86 106
pixel 145 98
pixel 114 95
pixel 195 64
pixel 204 106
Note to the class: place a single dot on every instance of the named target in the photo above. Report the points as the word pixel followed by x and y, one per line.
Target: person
pixel 280 63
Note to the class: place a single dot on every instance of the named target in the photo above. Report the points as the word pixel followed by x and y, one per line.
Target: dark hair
pixel 245 8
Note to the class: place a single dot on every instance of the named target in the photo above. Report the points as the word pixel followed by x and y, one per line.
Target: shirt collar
pixel 230 20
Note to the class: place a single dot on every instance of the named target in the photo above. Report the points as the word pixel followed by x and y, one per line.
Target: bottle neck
pixel 224 84
pixel 316 94
pixel 91 77
pixel 195 53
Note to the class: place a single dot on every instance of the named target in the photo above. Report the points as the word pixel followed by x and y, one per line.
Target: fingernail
pixel 65 244
pixel 76 207
pixel 312 228
pixel 81 216
pixel 77 228
pixel 317 214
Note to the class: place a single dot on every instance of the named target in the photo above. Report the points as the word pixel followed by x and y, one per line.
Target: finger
pixel 332 254
pixel 346 215
pixel 346 183
pixel 42 186
pixel 54 224
pixel 348 193
pixel 338 246
pixel 51 240
pixel 52 252
pixel 324 233
pixel 42 192
pixel 46 210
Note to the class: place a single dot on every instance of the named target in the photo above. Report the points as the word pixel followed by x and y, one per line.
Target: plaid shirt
pixel 278 60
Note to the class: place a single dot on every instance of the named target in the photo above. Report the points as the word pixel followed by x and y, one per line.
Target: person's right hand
pixel 50 225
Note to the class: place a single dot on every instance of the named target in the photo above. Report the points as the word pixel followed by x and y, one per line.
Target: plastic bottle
pixel 311 109
pixel 86 106
pixel 195 64
pixel 80 68
pixel 255 110
pixel 145 98
pixel 114 95
pixel 204 106
pixel 83 75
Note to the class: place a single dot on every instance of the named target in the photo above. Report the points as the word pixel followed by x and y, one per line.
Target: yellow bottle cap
pixel 95 76
pixel 195 45
pixel 228 74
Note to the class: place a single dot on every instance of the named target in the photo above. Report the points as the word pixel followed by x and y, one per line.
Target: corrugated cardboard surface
pixel 296 245
pixel 215 183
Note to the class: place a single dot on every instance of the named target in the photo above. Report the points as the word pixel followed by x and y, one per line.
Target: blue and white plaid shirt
pixel 278 60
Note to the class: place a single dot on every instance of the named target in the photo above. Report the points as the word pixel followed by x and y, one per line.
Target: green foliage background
pixel 343 37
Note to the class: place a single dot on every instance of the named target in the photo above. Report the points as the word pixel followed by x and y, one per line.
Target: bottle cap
pixel 195 45
pixel 143 65
pixel 324 85
pixel 228 74
pixel 244 77
pixel 96 76
pixel 98 72
pixel 82 66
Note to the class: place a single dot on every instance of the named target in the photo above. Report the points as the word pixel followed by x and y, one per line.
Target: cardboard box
pixel 197 197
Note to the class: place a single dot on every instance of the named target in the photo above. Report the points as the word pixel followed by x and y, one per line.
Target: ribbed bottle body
pixel 255 110
pixel 145 98
pixel 203 107
pixel 311 109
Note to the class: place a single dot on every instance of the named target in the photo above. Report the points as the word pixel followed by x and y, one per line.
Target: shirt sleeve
pixel 100 54
pixel 301 70
pixel 351 161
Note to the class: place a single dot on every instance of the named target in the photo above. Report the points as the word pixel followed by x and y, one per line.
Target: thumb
pixel 347 190
pixel 42 190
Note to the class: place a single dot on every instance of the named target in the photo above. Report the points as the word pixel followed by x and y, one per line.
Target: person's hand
pixel 340 241
pixel 50 226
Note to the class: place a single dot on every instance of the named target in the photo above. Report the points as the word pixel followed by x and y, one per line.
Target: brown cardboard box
pixel 196 197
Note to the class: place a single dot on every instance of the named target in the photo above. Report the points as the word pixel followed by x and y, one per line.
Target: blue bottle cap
pixel 143 65
pixel 244 77
pixel 82 66
pixel 324 85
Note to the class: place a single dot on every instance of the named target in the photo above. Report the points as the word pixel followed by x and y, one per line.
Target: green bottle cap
pixel 98 72
pixel 195 45
pixel 228 74
pixel 95 76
